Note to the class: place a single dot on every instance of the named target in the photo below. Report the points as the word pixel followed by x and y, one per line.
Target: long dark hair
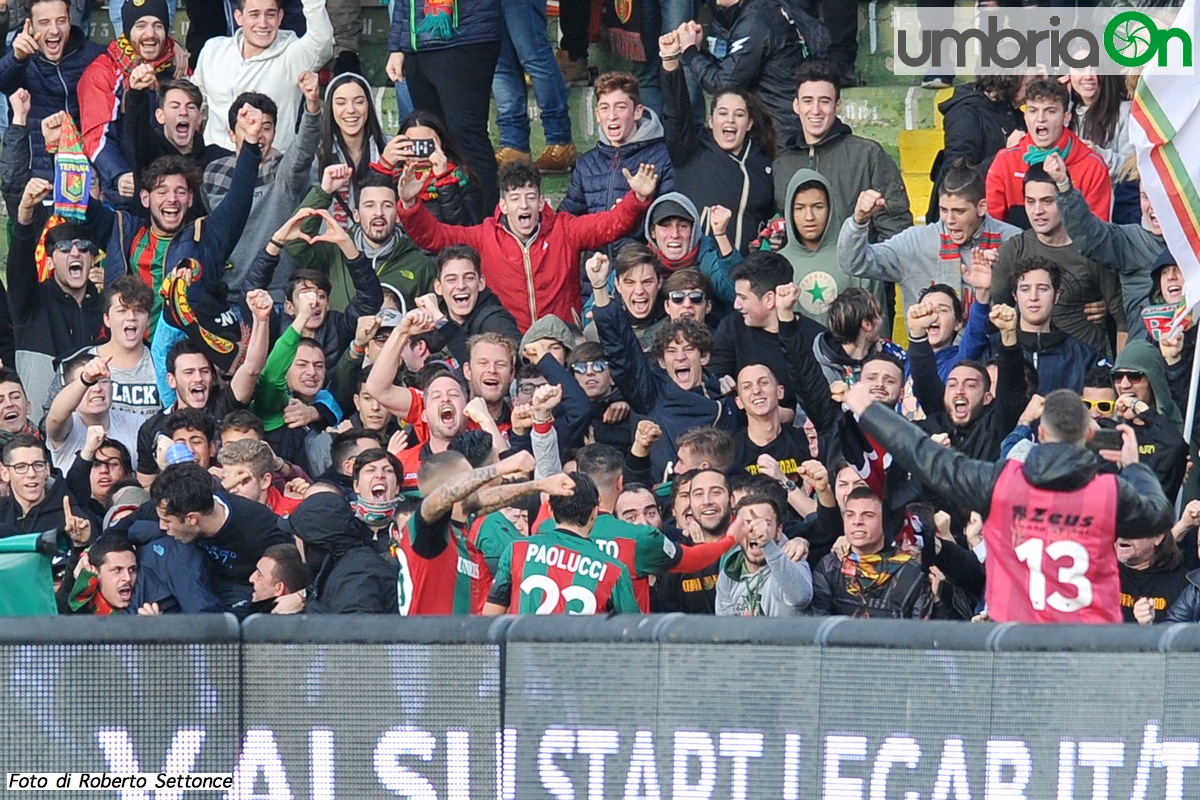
pixel 428 119
pixel 1099 124
pixel 333 148
pixel 762 132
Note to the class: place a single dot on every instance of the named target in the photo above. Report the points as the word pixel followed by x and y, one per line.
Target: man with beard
pixel 436 413
pixel 55 317
pixel 231 531
pixel 965 408
pixel 169 187
pixel 103 580
pixel 708 498
pixel 47 58
pixel 144 42
pixel 334 329
pixel 761 580
pixel 396 261
pixel 1153 576
pixel 464 305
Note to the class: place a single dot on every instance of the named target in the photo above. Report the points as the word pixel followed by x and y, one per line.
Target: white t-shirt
pixel 122 426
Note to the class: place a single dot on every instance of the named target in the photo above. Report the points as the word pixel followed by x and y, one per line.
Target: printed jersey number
pixel 551 595
pixel 1074 574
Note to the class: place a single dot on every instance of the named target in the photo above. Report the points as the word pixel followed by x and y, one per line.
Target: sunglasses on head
pixel 696 296
pixel 1103 406
pixel 581 367
pixel 65 245
pixel 1133 375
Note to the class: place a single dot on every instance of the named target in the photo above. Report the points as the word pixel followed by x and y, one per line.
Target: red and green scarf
pixel 126 57
pixel 86 594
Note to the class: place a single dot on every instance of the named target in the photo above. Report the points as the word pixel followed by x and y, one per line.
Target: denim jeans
pixel 526 48
pixel 658 17
pixel 114 14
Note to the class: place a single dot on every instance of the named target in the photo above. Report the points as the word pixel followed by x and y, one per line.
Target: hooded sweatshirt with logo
pixel 780 588
pixel 817 271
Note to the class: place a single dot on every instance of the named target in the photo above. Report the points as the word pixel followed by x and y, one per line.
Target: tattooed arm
pixel 494 498
pixel 441 500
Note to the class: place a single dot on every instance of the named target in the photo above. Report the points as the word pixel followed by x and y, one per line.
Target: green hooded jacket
pixel 1142 356
pixel 817 271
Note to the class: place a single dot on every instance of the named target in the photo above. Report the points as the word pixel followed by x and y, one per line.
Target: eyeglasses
pixel 65 245
pixel 528 388
pixel 1103 406
pixel 582 367
pixel 696 297
pixel 1132 375
pixel 22 468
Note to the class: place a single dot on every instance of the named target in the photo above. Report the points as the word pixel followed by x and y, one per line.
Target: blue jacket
pixel 651 393
pixel 209 239
pixel 1060 359
pixel 170 573
pixel 598 182
pixel 52 88
pixel 478 21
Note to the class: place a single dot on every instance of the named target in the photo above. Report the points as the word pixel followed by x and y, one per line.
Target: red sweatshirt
pixel 542 276
pixel 1005 179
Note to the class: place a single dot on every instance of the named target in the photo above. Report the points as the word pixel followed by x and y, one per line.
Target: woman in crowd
pixel 351 135
pixel 729 163
pixel 449 189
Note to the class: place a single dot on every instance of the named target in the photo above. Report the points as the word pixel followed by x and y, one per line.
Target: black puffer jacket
pixel 757 48
pixel 488 315
pixel 976 128
pixel 711 176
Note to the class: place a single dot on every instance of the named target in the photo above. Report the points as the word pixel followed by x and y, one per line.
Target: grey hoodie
pixel 781 588
pixel 817 271
pixel 917 257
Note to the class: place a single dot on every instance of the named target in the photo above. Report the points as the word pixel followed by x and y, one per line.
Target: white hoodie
pixel 222 74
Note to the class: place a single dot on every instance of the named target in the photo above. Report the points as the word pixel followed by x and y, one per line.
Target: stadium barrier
pixel 625 707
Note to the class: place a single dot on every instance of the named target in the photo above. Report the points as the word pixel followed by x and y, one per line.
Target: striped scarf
pixel 121 51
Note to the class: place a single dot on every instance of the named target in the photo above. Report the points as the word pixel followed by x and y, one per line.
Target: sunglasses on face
pixel 696 297
pixel 1103 406
pixel 1132 375
pixel 582 367
pixel 65 245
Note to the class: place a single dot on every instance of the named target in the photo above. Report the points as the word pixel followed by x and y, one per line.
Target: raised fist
pixel 870 203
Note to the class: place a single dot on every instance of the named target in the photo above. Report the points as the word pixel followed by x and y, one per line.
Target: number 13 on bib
pixel 1051 555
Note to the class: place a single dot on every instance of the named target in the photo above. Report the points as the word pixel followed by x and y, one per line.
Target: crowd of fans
pixel 289 362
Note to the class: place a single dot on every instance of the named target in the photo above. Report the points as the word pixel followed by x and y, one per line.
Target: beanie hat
pixel 133 10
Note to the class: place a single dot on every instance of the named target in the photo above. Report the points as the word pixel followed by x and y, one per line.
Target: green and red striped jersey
pixel 436 569
pixel 644 551
pixel 561 573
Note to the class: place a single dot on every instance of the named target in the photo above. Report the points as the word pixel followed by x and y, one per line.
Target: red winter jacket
pixel 1005 179
pixel 541 277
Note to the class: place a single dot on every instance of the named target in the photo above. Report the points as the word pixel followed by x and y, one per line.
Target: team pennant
pixel 72 174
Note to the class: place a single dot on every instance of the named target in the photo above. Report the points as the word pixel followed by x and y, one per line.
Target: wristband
pixel 674 57
pixel 1063 187
pixel 543 428
pixel 84 381
pixel 358 351
pixel 280 245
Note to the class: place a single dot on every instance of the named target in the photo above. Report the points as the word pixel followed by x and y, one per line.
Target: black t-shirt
pixel 220 402
pixel 233 553
pixel 735 345
pixel 690 593
pixel 790 449
pixel 1161 586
